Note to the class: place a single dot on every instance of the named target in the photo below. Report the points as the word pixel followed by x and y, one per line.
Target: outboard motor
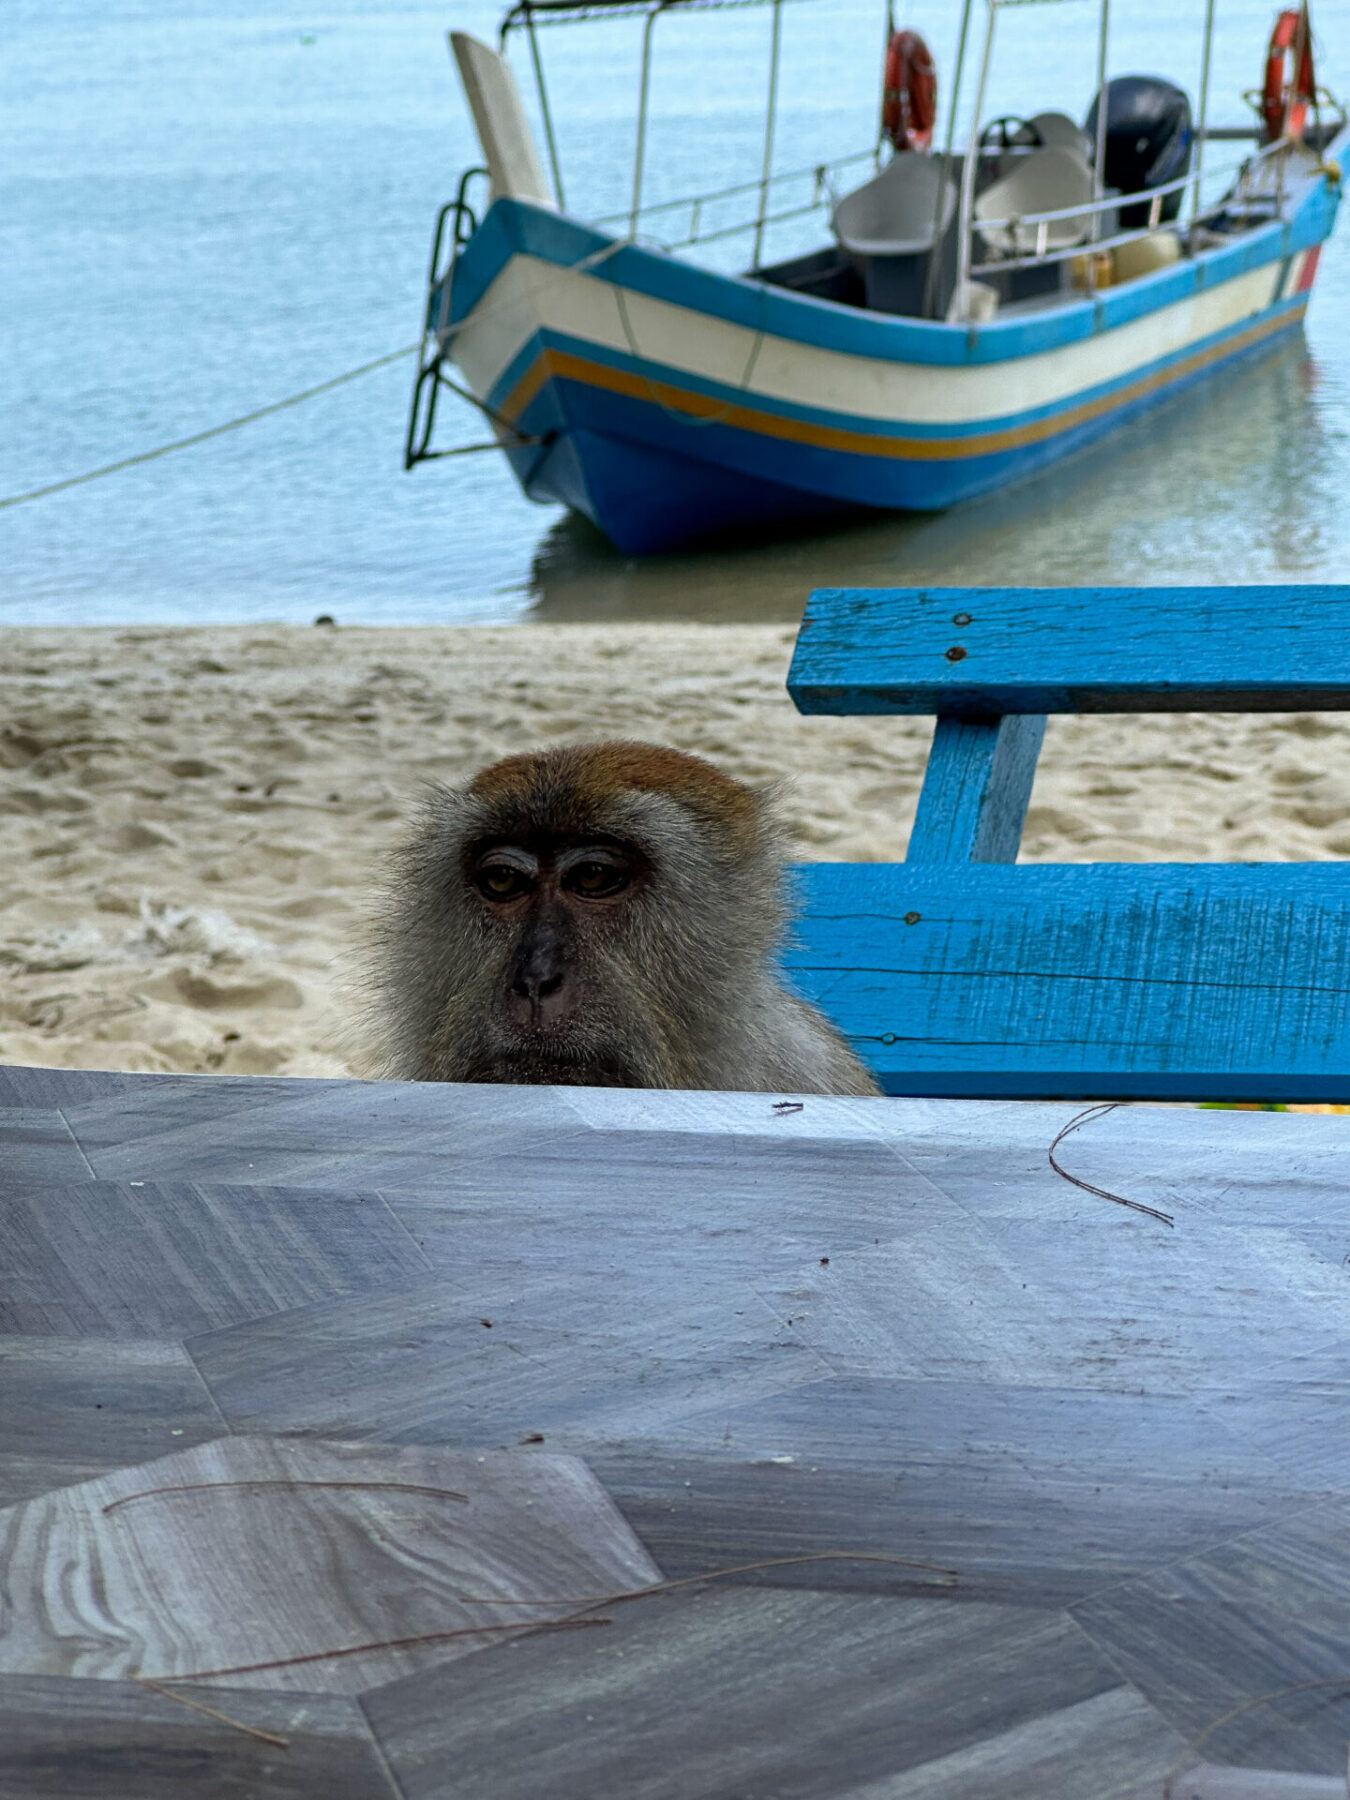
pixel 1148 140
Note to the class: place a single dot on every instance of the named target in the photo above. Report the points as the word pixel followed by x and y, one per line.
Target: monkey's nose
pixel 539 984
pixel 531 987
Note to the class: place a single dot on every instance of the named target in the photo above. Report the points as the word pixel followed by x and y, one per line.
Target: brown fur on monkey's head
pixel 577 781
pixel 601 914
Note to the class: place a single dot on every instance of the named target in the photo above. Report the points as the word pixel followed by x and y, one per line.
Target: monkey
pixel 603 915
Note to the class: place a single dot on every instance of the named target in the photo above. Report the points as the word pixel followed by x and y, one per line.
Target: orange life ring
pixel 909 92
pixel 1289 88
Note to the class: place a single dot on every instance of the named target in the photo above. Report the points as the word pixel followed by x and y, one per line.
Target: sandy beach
pixel 192 821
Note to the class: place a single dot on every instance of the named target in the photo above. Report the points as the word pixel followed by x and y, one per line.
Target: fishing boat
pixel 979 308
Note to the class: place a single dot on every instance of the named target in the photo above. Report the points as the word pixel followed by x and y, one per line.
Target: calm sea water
pixel 207 206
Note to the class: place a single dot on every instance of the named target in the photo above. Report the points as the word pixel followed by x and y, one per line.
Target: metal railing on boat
pixel 635 221
pixel 1277 153
pixel 822 194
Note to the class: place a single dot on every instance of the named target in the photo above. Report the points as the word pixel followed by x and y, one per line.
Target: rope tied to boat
pixel 511 437
pixel 276 406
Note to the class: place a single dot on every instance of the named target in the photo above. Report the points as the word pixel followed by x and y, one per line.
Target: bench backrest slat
pixel 986 652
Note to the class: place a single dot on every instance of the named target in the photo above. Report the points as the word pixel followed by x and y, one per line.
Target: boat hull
pixel 668 403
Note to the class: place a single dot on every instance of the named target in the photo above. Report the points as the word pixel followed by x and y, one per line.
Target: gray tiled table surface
pixel 696 1331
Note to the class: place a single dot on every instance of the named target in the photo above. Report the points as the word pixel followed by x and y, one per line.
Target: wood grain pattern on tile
pixel 135 1259
pixel 73 1407
pixel 277 1550
pixel 866 1325
pixel 737 1695
pixel 113 1740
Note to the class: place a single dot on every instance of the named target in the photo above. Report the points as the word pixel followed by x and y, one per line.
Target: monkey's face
pixel 552 903
pixel 588 915
pixel 557 911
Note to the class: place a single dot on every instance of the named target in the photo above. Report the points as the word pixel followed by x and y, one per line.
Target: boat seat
pixel 1058 131
pixel 1043 131
pixel 896 213
pixel 958 972
pixel 1044 181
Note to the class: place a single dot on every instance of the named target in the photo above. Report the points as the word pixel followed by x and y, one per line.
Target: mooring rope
pixel 585 266
pixel 200 437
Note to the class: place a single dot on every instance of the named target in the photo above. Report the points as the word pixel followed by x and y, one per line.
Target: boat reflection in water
pixel 981 310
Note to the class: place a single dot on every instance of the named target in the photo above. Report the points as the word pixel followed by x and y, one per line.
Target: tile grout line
pixel 74 1138
pixel 1126 1681
pixel 406 1229
pixel 381 1753
pixel 1233 1539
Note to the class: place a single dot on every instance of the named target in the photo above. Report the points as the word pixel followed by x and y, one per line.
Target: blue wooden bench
pixel 956 972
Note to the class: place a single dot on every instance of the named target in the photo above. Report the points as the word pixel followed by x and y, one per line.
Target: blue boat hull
pixel 667 403
pixel 626 466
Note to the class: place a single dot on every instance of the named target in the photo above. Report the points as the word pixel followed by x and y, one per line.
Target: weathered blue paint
pixel 975 790
pixel 1073 650
pixel 953 975
pixel 1118 981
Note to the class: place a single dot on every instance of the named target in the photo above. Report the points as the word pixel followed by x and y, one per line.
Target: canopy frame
pixel 1099 206
pixel 528 15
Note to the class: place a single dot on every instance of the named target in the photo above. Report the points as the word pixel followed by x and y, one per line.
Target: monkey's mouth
pixel 583 1046
pixel 547 1065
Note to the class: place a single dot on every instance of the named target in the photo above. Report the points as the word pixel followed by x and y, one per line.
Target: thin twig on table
pixel 1091 1113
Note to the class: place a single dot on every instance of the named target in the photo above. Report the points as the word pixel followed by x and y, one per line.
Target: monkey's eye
pixel 595 880
pixel 499 881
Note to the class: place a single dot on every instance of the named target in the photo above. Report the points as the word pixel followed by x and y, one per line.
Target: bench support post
pixel 976 789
